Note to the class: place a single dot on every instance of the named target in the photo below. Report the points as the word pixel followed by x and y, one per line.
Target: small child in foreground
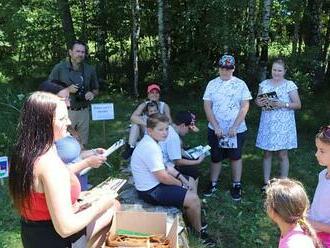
pixel 287 203
pixel 319 214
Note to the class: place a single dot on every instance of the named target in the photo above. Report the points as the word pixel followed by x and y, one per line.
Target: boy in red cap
pixel 138 119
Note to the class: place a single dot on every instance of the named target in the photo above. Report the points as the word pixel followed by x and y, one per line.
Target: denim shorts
pixel 219 154
pixel 164 195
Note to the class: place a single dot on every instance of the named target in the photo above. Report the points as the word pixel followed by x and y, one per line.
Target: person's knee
pixel 192 200
pixel 283 155
pixel 268 155
pixel 117 205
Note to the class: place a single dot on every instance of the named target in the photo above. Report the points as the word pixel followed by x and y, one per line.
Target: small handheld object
pixel 114 147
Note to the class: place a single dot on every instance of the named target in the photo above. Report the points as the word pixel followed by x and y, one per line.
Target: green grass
pixel 243 224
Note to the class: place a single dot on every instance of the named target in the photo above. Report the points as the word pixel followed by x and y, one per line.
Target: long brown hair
pixel 289 200
pixel 35 137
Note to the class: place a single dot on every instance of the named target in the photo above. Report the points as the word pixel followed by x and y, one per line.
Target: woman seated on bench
pixel 138 118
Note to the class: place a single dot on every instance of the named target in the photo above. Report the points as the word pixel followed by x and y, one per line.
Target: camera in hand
pixel 80 94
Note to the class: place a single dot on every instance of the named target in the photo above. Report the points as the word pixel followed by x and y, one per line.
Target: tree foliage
pixel 34 36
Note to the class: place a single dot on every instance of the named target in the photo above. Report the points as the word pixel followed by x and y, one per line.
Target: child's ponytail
pixel 306 227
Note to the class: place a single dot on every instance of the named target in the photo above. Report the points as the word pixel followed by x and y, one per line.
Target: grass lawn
pixel 243 224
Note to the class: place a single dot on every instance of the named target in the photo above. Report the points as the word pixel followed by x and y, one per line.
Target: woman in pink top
pixel 286 205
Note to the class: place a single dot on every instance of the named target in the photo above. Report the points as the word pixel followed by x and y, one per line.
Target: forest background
pixel 176 43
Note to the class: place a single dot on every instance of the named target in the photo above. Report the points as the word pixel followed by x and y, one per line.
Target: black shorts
pixel 41 234
pixel 219 154
pixel 188 170
pixel 164 195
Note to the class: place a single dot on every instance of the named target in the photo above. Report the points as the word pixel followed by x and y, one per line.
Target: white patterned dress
pixel 277 127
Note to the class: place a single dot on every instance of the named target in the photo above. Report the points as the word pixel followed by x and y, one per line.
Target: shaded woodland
pixel 174 42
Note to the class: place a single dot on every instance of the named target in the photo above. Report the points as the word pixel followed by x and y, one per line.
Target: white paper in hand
pixel 114 147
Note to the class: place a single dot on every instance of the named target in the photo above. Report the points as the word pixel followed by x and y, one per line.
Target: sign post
pixel 102 112
pixel 4 168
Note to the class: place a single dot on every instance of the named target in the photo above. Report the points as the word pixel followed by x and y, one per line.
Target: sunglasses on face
pixel 325 131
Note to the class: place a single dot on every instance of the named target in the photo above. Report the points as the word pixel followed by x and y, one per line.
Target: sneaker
pixel 204 225
pixel 203 219
pixel 206 240
pixel 210 190
pixel 236 192
pixel 127 152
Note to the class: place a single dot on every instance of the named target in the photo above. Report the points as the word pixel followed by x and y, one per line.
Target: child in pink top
pixel 286 205
pixel 319 214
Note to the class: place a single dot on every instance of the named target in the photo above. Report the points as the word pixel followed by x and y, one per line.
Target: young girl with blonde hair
pixel 287 203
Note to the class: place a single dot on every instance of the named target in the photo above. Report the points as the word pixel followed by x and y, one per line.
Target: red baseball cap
pixel 153 87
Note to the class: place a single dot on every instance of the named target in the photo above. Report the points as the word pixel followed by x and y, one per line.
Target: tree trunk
pixel 64 10
pixel 295 39
pixel 83 34
pixel 135 43
pixel 101 37
pixel 312 39
pixel 252 59
pixel 326 43
pixel 162 43
pixel 326 55
pixel 264 39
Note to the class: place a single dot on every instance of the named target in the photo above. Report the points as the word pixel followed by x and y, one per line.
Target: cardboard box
pixel 145 222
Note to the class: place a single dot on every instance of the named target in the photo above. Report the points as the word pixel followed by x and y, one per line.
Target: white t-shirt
pixel 320 208
pixel 146 159
pixel 171 146
pixel 226 98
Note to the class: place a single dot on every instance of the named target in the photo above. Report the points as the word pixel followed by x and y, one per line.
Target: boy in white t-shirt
pixel 226 103
pixel 155 185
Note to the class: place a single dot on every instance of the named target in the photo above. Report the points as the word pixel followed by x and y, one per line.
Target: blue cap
pixel 227 61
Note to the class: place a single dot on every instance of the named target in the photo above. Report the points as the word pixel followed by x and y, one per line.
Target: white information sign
pixel 3 167
pixel 102 111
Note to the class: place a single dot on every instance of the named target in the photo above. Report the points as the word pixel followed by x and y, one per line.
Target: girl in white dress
pixel 277 129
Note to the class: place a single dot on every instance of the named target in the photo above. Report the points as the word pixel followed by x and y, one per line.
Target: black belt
pixel 77 109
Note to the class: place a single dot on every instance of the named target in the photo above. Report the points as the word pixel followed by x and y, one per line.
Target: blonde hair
pixel 288 199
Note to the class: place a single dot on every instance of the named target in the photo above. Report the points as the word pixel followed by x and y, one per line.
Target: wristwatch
pixel 287 105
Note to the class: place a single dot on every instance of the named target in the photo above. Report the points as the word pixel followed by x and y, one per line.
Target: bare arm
pixel 245 104
pixel 176 174
pixel 167 112
pixel 90 158
pixel 211 118
pixel 294 103
pixel 136 117
pixel 94 161
pixel 164 177
pixel 319 226
pixel 295 100
pixel 58 198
